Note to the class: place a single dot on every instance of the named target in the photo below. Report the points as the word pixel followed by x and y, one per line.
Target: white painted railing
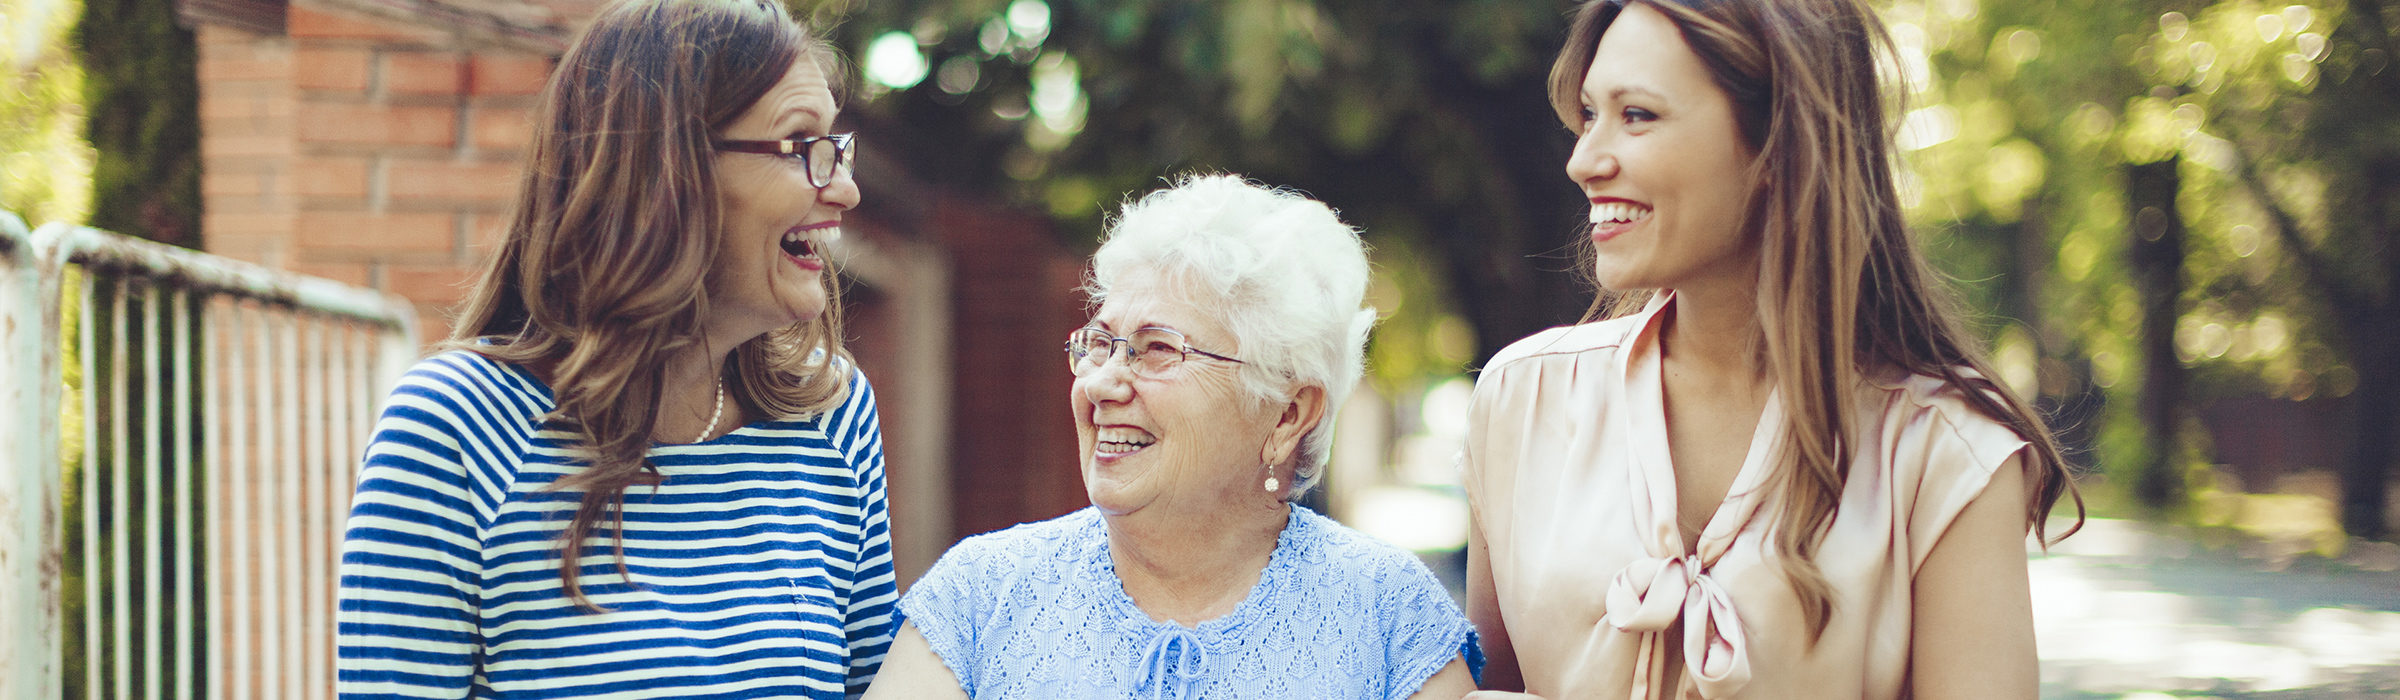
pixel 180 433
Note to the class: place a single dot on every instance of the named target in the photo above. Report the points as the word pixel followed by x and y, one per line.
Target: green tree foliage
pixel 44 164
pixel 141 93
pixel 1424 121
pixel 2274 126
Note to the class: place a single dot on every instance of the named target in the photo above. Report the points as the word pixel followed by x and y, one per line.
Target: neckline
pixel 1643 393
pixel 547 401
pixel 1269 577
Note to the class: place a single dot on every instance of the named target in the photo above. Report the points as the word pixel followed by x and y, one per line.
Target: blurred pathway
pixel 2133 610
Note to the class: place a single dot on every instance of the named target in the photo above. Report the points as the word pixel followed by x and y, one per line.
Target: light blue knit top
pixel 1037 611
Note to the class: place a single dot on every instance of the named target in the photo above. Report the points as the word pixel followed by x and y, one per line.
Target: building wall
pixel 379 142
pixel 363 150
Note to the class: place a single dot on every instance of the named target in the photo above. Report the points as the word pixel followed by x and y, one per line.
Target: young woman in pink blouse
pixel 1780 470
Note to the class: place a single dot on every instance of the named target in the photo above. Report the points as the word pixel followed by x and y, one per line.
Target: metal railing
pixel 181 432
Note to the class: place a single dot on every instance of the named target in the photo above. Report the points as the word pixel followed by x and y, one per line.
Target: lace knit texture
pixel 1037 611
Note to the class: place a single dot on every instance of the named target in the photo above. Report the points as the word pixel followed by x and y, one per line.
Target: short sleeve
pixel 1424 629
pixel 868 616
pixel 948 602
pixel 1948 452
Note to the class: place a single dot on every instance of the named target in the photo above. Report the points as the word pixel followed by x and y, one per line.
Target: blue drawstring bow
pixel 1171 659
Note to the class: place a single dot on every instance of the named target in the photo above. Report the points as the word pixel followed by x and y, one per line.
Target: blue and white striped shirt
pixel 761 567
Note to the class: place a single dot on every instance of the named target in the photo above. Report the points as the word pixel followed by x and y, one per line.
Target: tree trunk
pixel 2366 475
pixel 2157 253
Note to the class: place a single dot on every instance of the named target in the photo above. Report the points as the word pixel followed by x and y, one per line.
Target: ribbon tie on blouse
pixel 1673 582
pixel 1652 592
pixel 1172 659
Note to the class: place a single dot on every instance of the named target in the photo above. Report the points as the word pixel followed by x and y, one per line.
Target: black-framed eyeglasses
pixel 821 156
pixel 1154 351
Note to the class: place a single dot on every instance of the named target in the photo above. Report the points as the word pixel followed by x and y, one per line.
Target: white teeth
pixel 1618 212
pixel 815 239
pixel 1123 440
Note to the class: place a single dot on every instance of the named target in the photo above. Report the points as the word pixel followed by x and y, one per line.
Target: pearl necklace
pixel 715 414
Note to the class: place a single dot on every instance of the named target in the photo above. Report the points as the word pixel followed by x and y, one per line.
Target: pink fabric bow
pixel 1653 591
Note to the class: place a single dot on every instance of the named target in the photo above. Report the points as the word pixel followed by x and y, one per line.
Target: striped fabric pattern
pixel 760 568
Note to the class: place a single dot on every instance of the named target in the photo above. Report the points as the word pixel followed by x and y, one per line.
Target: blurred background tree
pixel 45 165
pixel 2162 204
pixel 1424 121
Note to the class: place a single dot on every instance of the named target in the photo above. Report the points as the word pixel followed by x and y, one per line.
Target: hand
pixel 1500 695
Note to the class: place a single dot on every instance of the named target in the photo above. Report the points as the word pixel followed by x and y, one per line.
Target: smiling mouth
pixel 1118 442
pixel 1614 213
pixel 806 243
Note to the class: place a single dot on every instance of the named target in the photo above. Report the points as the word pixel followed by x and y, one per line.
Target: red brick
pixel 307 22
pixel 331 176
pixel 232 65
pixel 378 124
pixel 212 36
pixel 250 105
pixel 215 225
pixel 422 73
pixel 484 236
pixel 409 180
pixel 331 68
pixel 508 74
pixel 500 128
pixel 438 285
pixel 353 274
pixel 433 325
pixel 222 187
pixel 359 232
pixel 216 146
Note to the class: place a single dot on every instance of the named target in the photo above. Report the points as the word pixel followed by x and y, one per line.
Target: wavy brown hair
pixel 602 273
pixel 1842 288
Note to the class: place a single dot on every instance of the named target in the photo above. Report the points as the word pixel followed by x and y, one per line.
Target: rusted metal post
pixel 31 535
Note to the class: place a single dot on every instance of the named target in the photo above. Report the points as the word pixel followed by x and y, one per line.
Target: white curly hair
pixel 1289 278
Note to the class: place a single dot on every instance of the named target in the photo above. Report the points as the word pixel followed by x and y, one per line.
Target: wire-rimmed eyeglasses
pixel 1154 351
pixel 821 156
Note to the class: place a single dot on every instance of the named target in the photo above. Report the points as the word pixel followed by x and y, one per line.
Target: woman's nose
pixel 843 191
pixel 1592 159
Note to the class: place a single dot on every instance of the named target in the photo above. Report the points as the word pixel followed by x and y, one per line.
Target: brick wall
pixel 363 149
pixel 380 148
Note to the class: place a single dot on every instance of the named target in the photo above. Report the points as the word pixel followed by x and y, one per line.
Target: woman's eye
pixel 1637 115
pixel 1587 115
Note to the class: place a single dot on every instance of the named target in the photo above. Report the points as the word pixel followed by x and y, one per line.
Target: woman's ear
pixel 1298 416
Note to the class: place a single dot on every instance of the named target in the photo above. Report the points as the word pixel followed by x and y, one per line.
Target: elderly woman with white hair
pixel 1229 326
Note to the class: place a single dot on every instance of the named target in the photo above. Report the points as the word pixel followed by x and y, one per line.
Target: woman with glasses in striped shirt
pixel 645 466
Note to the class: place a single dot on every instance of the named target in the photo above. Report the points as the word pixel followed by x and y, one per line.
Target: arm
pixel 868 615
pixel 1973 636
pixel 1453 681
pixel 1500 670
pixel 913 671
pixel 411 560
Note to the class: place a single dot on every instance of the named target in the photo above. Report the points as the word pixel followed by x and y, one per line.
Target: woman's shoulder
pixel 1576 341
pixel 1027 545
pixel 1348 554
pixel 458 379
pixel 1924 414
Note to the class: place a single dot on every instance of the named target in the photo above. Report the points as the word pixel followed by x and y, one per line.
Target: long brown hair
pixel 603 270
pixel 1842 288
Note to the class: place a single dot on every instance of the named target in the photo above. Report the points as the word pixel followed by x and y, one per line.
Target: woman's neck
pixel 1187 569
pixel 689 395
pixel 1714 329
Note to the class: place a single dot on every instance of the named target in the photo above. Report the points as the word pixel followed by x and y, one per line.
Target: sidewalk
pixel 2140 611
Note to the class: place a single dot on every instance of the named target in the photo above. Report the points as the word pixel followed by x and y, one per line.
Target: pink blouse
pixel 1567 469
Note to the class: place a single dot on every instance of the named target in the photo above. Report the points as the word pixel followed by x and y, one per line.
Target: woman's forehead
pixel 1165 301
